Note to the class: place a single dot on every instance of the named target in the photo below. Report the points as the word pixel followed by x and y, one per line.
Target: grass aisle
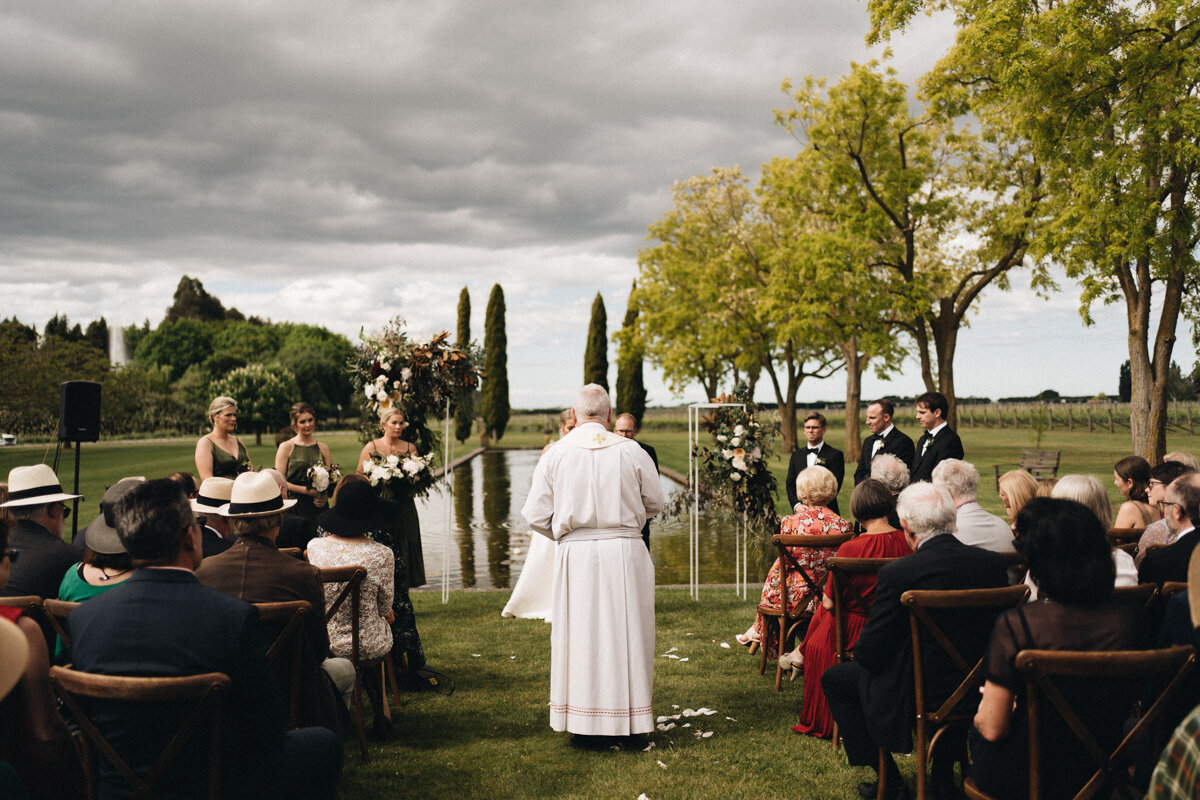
pixel 491 738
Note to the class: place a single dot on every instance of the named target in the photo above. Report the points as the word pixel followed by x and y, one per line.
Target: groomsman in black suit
pixel 885 438
pixel 938 442
pixel 626 425
pixel 816 453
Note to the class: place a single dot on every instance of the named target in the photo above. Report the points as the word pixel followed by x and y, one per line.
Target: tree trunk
pixel 855 364
pixel 945 338
pixel 786 400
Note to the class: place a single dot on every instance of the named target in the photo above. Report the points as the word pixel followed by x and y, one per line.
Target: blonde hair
pixel 816 486
pixel 220 404
pixel 1183 458
pixel 1021 487
pixel 390 412
pixel 1046 487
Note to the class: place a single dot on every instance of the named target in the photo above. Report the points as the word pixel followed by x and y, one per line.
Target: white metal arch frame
pixel 740 530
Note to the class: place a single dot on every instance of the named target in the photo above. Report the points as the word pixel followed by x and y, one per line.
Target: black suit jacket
pixel 829 457
pixel 163 622
pixel 945 445
pixel 1168 563
pixel 653 457
pixel 212 543
pixel 44 561
pixel 896 443
pixel 884 650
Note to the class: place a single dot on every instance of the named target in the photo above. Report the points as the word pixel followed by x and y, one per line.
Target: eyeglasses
pixel 1170 503
pixel 11 555
pixel 66 510
pixel 1156 483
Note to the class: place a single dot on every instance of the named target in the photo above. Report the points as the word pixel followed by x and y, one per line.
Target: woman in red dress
pixel 815 487
pixel 873 505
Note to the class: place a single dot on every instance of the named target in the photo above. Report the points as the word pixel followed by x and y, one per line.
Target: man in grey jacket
pixel 975 526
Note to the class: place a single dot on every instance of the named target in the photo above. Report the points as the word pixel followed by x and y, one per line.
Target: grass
pixel 491 738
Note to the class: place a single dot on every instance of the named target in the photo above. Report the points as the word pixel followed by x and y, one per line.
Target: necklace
pixel 104 576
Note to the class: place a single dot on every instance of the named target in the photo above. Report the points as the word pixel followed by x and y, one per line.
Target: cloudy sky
pixel 341 163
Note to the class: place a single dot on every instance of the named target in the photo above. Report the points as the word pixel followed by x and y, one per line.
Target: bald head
pixel 625 425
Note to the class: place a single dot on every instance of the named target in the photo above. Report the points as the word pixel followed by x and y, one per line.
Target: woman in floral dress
pixel 815 487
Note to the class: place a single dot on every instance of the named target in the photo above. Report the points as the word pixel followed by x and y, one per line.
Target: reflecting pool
pixel 489 538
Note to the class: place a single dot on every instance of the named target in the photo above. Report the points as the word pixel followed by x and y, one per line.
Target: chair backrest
pixel 288 618
pixel 1123 536
pixel 787 563
pixel 203 693
pixel 1143 594
pixel 294 552
pixel 352 577
pixel 57 612
pixel 929 610
pixel 841 571
pixel 1171 588
pixel 1044 672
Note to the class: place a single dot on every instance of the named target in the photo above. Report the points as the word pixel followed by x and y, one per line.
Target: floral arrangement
pixel 392 369
pixel 394 475
pixel 322 478
pixel 733 472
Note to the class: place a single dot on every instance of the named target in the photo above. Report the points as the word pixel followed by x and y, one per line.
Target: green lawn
pixel 491 738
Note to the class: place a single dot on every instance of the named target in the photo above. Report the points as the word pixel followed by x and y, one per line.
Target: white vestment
pixel 533 596
pixel 592 492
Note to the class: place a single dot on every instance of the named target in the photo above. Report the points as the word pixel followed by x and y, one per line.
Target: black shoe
pixel 897 790
pixel 382 728
pixel 868 789
pixel 593 743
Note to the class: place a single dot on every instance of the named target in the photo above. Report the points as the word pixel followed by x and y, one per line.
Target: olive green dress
pixel 406 531
pixel 303 458
pixel 225 465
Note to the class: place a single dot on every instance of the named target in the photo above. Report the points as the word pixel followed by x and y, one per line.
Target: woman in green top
pixel 296 457
pixel 220 454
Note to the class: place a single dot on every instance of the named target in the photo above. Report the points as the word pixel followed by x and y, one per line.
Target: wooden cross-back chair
pixel 1112 775
pixel 841 571
pixel 774 620
pixel 351 592
pixel 294 552
pixel 288 618
pixel 924 606
pixel 1125 538
pixel 1143 594
pixel 203 692
pixel 1169 589
pixel 57 612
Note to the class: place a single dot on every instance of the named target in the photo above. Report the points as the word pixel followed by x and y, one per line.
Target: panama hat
pixel 213 494
pixel 255 494
pixel 14 653
pixel 101 535
pixel 32 486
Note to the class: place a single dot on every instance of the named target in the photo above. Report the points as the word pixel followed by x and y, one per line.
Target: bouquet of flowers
pixel 393 475
pixel 733 473
pixel 322 479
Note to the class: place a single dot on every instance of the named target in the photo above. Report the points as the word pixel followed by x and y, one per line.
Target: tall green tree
pixel 494 398
pixel 1106 95
pixel 264 393
pixel 97 336
pixel 464 411
pixel 191 301
pixel 595 355
pixel 953 212
pixel 631 387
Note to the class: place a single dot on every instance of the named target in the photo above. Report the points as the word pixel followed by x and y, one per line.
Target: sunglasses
pixel 11 555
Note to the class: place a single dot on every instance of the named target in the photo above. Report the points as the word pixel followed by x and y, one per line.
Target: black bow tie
pixel 814 449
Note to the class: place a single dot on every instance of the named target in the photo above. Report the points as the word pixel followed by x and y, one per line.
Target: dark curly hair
pixel 1067 551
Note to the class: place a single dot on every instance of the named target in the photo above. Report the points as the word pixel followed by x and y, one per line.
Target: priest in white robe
pixel 592 492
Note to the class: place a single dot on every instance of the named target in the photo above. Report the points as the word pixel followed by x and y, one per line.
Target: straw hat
pixel 14 653
pixel 32 486
pixel 255 494
pixel 101 535
pixel 214 493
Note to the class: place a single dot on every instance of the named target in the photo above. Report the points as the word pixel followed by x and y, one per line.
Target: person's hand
pixel 389 617
pixel 320 500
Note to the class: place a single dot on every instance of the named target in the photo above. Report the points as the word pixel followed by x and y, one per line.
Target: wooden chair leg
pixel 837 736
pixel 389 666
pixel 881 786
pixel 358 715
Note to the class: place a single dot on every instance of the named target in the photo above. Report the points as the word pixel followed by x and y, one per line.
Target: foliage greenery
pixel 494 406
pixel 595 353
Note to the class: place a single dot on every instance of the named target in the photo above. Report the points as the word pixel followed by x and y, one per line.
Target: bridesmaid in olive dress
pixel 220 454
pixel 406 526
pixel 295 457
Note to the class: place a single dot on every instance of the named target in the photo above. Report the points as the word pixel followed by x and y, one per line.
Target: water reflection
pixel 488 494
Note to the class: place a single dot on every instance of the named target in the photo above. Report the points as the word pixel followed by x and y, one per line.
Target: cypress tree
pixel 595 356
pixel 631 390
pixel 464 412
pixel 494 399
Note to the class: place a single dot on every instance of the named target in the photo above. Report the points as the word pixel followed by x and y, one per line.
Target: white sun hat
pixel 255 494
pixel 31 486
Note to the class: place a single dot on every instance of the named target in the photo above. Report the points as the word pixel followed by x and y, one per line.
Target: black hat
pixel 358 511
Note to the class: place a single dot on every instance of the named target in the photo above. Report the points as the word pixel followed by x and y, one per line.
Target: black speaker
pixel 79 412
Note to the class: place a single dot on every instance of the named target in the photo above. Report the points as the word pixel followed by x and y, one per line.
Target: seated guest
pixel 1089 492
pixel 815 487
pixel 1131 476
pixel 1185 458
pixel 1046 487
pixel 891 471
pixel 872 505
pixel 1181 509
pixel 871 697
pixel 974 525
pixel 1069 560
pixel 105 563
pixel 254 570
pixel 1017 487
pixel 188 481
pixel 164 622
pixel 1177 776
pixel 295 530
pixel 355 514
pixel 1159 533
pixel 213 494
pixel 33 737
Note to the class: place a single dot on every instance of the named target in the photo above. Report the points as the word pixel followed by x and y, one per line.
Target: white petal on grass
pixel 725 645
pixel 687 725
pixel 707 734
pixel 682 660
pixel 661 764
pixel 668 726
pixel 731 719
pixel 648 747
pixel 674 706
pixel 476 655
pixel 662 718
pixel 673 650
pixel 642 796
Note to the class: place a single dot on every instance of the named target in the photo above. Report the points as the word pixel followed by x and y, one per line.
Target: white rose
pixel 413 466
pixel 721 438
pixel 738 464
pixel 386 366
pixel 405 374
pixel 381 381
pixel 726 454
pixel 392 460
pixel 738 430
pixel 396 384
pixel 378 475
pixel 370 390
pixel 735 441
pixel 755 454
pixel 366 466
pixel 737 476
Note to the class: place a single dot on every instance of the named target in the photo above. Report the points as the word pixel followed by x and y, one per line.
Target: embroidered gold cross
pixel 598 438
